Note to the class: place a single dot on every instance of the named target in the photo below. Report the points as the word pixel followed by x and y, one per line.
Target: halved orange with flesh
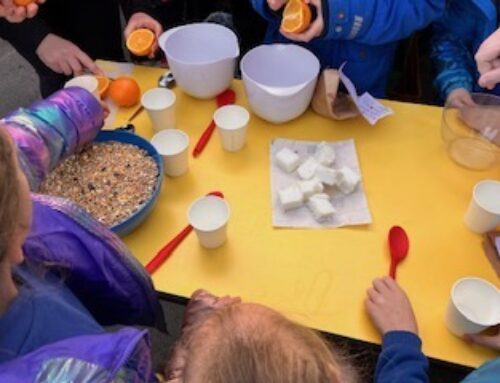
pixel 140 42
pixel 296 17
pixel 23 3
pixel 103 85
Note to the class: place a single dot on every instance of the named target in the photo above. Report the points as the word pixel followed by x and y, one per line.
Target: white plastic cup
pixel 160 105
pixel 483 213
pixel 473 307
pixel 86 82
pixel 232 124
pixel 173 145
pixel 209 217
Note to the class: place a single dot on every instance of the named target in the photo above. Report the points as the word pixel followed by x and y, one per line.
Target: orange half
pixel 23 3
pixel 140 42
pixel 296 17
pixel 103 85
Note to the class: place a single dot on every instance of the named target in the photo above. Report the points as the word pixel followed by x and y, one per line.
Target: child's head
pixel 15 203
pixel 249 343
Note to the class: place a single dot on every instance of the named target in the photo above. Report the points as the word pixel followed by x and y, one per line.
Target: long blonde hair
pixel 279 352
pixel 9 192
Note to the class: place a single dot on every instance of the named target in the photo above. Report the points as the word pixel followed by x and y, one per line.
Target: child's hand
pixel 389 307
pixel 276 4
pixel 488 61
pixel 459 98
pixel 490 341
pixel 142 20
pixel 315 29
pixel 62 56
pixel 105 109
pixel 17 14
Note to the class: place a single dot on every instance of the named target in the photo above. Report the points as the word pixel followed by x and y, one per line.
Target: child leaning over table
pixel 225 341
pixel 456 38
pixel 51 328
pixel 362 33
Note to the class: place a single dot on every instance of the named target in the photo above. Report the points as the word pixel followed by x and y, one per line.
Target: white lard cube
pixel 287 160
pixel 308 168
pixel 326 175
pixel 347 180
pixel 310 187
pixel 325 154
pixel 291 198
pixel 321 207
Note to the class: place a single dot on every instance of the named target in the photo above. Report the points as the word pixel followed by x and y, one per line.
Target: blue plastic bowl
pixel 128 225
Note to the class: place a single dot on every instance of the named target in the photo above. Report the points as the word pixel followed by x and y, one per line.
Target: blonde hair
pixel 235 346
pixel 9 193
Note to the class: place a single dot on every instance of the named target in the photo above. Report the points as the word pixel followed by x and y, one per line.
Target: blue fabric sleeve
pixel 452 49
pixel 401 359
pixel 486 373
pixel 263 9
pixel 378 22
pixel 453 62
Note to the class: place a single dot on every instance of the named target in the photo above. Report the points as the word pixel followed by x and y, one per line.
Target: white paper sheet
pixel 351 209
pixel 370 108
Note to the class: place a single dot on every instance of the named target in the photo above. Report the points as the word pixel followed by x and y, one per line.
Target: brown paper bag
pixel 328 101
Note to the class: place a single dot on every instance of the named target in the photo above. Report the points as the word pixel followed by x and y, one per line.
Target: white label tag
pixel 371 109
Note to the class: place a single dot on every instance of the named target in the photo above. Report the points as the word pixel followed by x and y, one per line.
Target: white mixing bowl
pixel 279 80
pixel 202 57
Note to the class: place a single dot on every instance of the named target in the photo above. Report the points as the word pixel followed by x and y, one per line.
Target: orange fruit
pixel 103 85
pixel 140 42
pixel 124 91
pixel 296 17
pixel 23 3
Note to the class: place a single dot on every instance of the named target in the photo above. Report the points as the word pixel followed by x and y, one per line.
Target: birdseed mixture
pixel 111 180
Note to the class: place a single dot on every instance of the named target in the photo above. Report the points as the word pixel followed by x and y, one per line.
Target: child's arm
pixel 50 130
pixel 452 60
pixel 401 359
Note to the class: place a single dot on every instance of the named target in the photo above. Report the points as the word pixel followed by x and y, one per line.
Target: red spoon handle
pixel 205 137
pixel 167 250
pixel 392 271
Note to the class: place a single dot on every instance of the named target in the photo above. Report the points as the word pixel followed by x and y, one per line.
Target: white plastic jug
pixel 202 57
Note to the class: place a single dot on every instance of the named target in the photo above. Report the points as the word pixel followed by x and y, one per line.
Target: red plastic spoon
pixel 169 248
pixel 227 97
pixel 399 245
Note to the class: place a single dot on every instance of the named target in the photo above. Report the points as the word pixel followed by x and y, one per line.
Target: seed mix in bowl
pixel 111 180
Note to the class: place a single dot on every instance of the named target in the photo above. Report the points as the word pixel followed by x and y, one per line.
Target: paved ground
pixel 18 82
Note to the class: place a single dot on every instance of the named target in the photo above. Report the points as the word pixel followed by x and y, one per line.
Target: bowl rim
pixel 182 28
pixel 122 227
pixel 477 136
pixel 246 76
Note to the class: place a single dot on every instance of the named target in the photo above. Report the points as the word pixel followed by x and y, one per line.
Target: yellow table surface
pixel 320 277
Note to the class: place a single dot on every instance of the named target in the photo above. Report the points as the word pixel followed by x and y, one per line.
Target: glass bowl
pixel 472 133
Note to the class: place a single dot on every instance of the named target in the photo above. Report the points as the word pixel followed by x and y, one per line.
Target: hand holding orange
pixel 23 3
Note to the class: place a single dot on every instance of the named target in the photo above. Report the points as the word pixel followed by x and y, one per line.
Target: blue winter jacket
pixel 457 37
pixel 363 34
